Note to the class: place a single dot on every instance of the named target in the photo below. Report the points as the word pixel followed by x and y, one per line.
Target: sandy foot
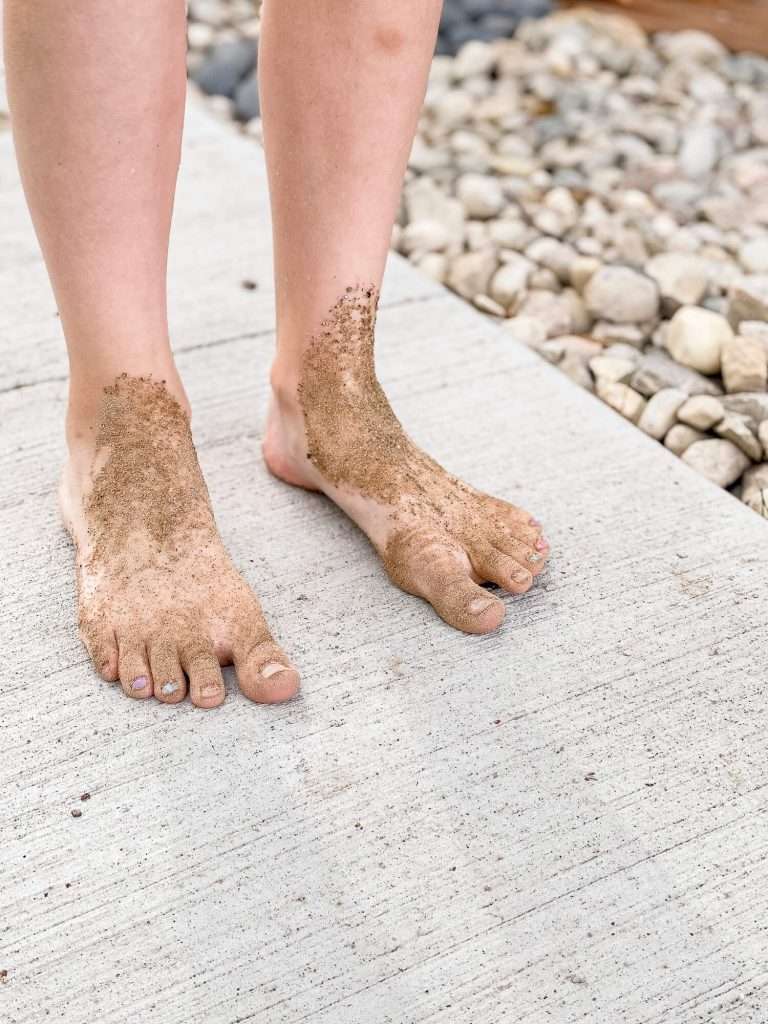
pixel 332 429
pixel 161 606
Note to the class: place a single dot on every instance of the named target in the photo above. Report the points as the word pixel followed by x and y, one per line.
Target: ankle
pixel 86 403
pixel 285 381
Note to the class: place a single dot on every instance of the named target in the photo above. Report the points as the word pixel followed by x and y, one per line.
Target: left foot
pixel 331 429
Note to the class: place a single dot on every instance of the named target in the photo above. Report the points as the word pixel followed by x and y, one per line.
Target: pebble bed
pixel 603 195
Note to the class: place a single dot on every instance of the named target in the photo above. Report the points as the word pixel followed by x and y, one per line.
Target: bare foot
pixel 332 429
pixel 160 602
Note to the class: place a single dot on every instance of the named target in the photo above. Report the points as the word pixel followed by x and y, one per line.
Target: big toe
pixel 265 675
pixel 263 670
pixel 441 574
pixel 100 642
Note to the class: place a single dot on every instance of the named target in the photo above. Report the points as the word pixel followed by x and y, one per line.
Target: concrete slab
pixel 562 822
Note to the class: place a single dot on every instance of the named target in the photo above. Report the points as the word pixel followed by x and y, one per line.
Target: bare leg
pixel 97 98
pixel 342 83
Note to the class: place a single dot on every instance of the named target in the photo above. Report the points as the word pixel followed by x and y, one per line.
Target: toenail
pixel 534 522
pixel 542 543
pixel 140 683
pixel 272 669
pixel 169 688
pixel 210 691
pixel 479 605
pixel 534 558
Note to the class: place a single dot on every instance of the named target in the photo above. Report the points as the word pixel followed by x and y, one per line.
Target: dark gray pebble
pixel 247 98
pixel 486 20
pixel 225 67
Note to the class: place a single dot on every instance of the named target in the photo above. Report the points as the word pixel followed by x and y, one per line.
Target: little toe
pixel 101 645
pixel 263 671
pixel 516 520
pixel 170 686
pixel 206 684
pixel 133 667
pixel 497 567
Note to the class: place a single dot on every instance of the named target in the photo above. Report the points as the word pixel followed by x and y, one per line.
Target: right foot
pixel 161 606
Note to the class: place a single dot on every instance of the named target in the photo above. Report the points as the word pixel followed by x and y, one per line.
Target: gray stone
pixel 735 428
pixel 435 265
pixel 488 305
pixel 509 283
pixel 622 350
pixel 754 489
pixel 200 35
pixel 626 334
pixel 227 65
pixel 682 277
pixel 569 345
pixel 421 236
pixel 753 256
pixel 751 404
pixel 554 311
pixel 581 318
pixel 480 195
pixel 744 365
pixel 622 295
pixel 695 338
pixel 621 397
pixel 470 273
pixel 612 368
pixel 660 413
pixel 474 58
pixel 690 47
pixel 510 234
pixel 555 256
pixel 718 460
pixel 527 329
pixel 700 150
pixel 546 279
pixel 657 371
pixel 453 108
pixel 428 159
pixel 748 299
pixel 582 269
pixel 423 200
pixel 701 412
pixel 681 437
pixel 727 212
pixel 247 104
pixel 757 329
pixel 575 368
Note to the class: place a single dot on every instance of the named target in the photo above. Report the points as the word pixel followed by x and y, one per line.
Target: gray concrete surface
pixel 562 822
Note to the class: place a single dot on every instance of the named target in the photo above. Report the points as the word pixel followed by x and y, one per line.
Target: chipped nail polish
pixel 541 544
pixel 168 688
pixel 534 558
pixel 140 683
pixel 272 669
